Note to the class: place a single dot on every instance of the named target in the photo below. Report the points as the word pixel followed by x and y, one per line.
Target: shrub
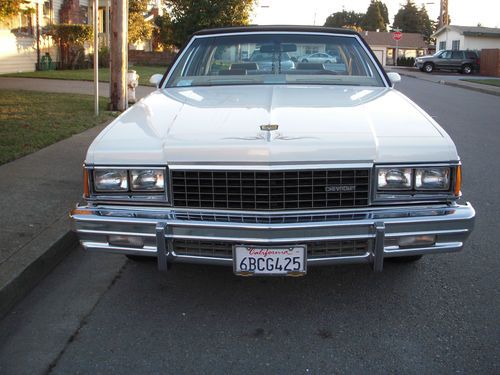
pixel 71 39
pixel 406 61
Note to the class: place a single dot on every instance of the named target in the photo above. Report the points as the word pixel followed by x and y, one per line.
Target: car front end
pixel 271 173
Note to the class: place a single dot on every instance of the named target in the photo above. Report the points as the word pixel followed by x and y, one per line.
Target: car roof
pixel 275 28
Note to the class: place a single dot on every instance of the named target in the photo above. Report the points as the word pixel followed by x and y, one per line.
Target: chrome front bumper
pixel 156 229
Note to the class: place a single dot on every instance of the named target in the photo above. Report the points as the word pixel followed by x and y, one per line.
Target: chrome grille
pixel 270 190
pixel 318 249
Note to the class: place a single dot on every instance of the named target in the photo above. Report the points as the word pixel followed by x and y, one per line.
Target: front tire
pixel 467 69
pixel 428 68
pixel 407 259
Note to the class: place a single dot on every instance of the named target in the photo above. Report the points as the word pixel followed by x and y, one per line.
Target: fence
pixel 490 62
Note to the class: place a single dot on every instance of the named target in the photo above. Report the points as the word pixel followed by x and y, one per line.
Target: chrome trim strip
pixel 278 166
pixel 378 256
pixel 161 248
pixel 448 247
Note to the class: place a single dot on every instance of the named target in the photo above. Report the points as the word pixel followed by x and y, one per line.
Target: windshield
pixel 274 58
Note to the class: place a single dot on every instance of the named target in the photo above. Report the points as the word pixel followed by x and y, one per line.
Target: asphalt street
pixel 104 314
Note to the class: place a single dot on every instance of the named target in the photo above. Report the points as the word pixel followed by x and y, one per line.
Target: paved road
pixel 102 314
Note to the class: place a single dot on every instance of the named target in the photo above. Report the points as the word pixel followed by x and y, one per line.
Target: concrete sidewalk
pixel 64 86
pixel 449 79
pixel 37 191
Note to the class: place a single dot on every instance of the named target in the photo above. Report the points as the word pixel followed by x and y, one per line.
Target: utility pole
pixel 119 58
pixel 444 19
pixel 96 57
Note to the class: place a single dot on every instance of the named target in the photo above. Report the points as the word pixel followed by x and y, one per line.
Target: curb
pixel 22 279
pixel 484 90
pixel 472 88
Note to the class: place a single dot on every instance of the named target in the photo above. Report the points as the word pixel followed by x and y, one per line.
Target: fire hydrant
pixel 132 83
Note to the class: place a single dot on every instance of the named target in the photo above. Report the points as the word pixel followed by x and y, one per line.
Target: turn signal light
pixel 86 191
pixel 458 181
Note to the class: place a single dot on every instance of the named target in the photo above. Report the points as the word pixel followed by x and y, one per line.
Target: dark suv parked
pixel 462 61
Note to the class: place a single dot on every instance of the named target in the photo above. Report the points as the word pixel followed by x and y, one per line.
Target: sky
pixel 310 12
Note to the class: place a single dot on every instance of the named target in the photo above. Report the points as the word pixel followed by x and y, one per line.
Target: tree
pixel 189 16
pixel 410 19
pixel 377 16
pixel 345 19
pixel 10 8
pixel 138 28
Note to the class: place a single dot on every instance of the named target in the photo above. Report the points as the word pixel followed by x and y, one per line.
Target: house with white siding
pixel 18 35
pixel 19 50
pixel 456 37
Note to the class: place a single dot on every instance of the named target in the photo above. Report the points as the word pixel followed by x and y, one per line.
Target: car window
pixel 457 55
pixel 273 58
pixel 470 55
pixel 445 55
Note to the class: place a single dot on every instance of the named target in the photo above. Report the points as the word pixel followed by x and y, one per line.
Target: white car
pixel 319 57
pixel 272 172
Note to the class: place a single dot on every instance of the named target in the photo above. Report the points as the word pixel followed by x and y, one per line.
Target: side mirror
pixel 155 79
pixel 394 77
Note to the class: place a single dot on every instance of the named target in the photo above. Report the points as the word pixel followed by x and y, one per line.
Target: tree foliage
pixel 376 17
pixel 410 19
pixel 189 16
pixel 9 8
pixel 138 28
pixel 345 19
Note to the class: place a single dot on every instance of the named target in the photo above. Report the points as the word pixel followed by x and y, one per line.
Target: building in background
pixel 19 50
pixel 467 37
pixel 384 46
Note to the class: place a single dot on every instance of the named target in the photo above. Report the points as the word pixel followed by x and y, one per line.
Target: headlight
pixel 147 180
pixel 395 178
pixel 432 178
pixel 109 180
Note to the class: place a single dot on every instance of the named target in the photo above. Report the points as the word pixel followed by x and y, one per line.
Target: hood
pixel 316 124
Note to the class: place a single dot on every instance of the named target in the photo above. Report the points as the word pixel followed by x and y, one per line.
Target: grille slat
pixel 320 249
pixel 270 190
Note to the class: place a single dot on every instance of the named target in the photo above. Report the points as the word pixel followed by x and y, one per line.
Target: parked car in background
pixel 271 171
pixel 264 60
pixel 464 62
pixel 323 58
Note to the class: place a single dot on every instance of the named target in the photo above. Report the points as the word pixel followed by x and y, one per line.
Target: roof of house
pixel 408 40
pixel 488 32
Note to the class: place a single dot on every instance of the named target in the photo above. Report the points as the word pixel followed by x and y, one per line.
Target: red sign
pixel 397 35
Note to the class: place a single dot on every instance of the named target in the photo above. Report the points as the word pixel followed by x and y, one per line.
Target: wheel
pixel 467 69
pixel 408 259
pixel 305 60
pixel 428 67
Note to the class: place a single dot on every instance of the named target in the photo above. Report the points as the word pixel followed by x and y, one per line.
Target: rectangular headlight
pixel 394 178
pixel 147 180
pixel 435 178
pixel 110 180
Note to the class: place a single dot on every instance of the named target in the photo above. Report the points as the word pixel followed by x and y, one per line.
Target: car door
pixel 456 60
pixel 444 60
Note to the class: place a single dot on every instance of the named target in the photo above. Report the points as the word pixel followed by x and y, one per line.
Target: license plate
pixel 270 260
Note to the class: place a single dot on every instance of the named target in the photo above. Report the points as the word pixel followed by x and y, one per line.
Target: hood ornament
pixel 269 128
